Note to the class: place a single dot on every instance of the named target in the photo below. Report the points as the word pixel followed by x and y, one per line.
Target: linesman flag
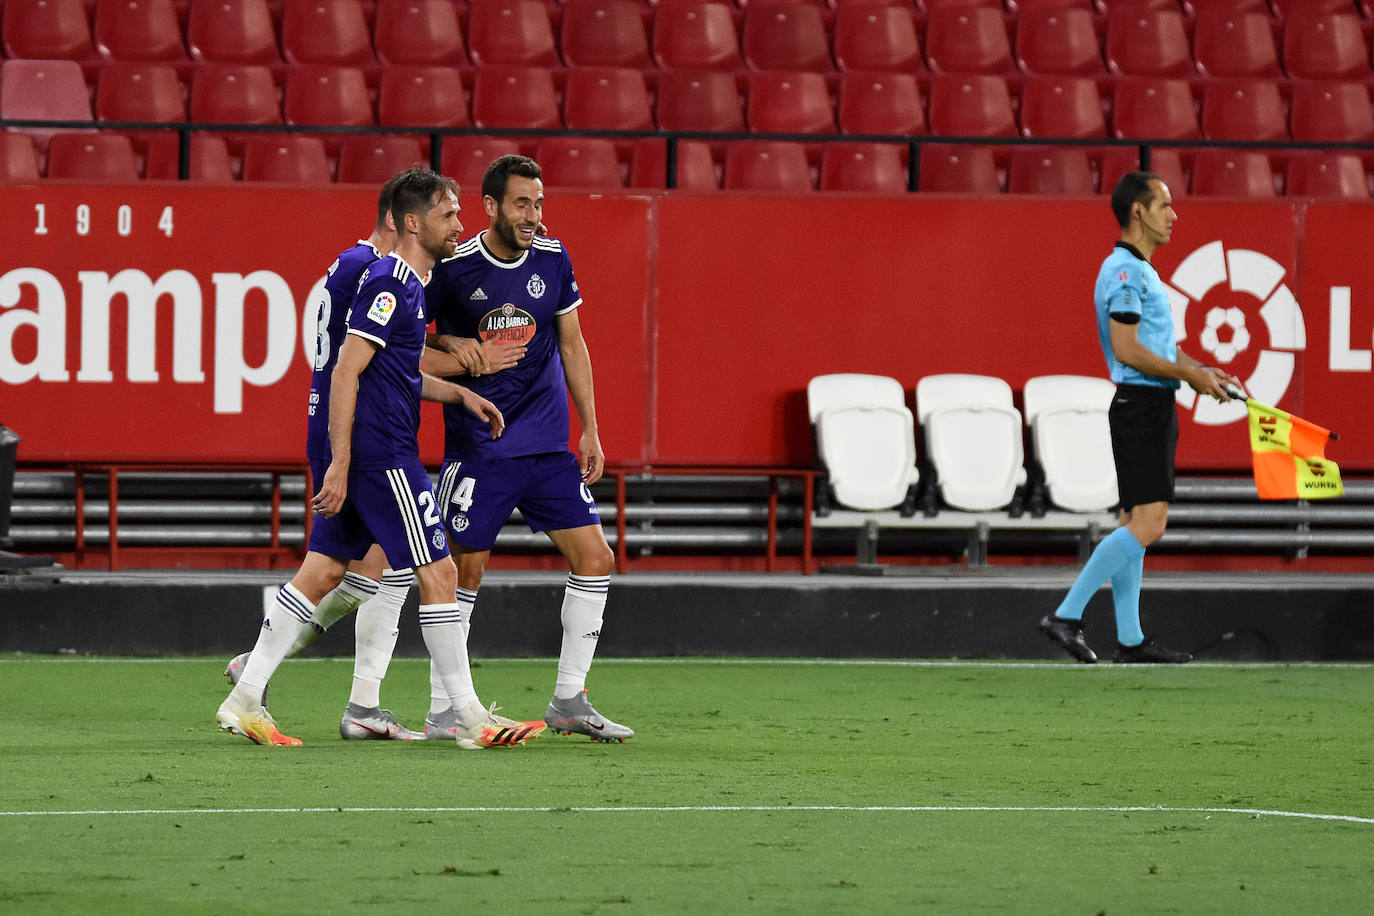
pixel 1290 456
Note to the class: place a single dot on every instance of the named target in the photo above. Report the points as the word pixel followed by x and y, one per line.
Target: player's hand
pixel 333 491
pixel 467 350
pixel 593 458
pixel 496 355
pixel 1212 382
pixel 483 409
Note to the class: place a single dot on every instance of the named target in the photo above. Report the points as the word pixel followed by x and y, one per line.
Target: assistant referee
pixel 1135 327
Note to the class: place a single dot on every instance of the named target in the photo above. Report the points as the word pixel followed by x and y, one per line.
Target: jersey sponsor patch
pixel 507 324
pixel 383 306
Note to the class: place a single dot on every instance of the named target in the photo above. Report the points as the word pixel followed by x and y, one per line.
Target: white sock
pixel 584 603
pixel 466 598
pixel 333 607
pixel 441 626
pixel 280 628
pixel 375 634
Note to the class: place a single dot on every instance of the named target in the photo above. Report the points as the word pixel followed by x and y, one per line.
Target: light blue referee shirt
pixel 1128 287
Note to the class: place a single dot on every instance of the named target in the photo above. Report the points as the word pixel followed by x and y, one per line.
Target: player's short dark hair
pixel 499 172
pixel 416 191
pixel 384 199
pixel 1132 187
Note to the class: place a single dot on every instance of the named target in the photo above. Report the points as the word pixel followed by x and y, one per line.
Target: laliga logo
pixel 1225 335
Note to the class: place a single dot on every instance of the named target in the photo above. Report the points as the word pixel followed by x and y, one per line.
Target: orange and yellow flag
pixel 1290 456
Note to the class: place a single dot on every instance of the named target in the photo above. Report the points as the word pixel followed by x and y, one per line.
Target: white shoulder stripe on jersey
pixel 569 308
pixel 401 271
pixel 544 244
pixel 366 336
pixel 410 517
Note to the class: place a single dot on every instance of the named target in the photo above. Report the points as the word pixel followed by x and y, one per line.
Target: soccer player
pixel 512 288
pixel 1135 328
pixel 375 490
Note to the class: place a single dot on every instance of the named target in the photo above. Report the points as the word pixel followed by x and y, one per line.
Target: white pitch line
pixel 692 809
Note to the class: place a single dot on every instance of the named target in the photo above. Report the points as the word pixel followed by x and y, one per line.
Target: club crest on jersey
pixel 507 324
pixel 535 286
pixel 382 308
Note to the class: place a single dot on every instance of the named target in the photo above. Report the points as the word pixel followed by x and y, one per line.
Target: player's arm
pixel 354 356
pixel 1205 380
pixel 472 356
pixel 437 389
pixel 577 369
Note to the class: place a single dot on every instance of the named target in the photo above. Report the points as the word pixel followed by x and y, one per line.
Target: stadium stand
pixel 512 32
pixel 1327 175
pixel 1236 109
pixel 140 92
pixel 1118 160
pixel 333 34
pixel 372 160
pixel 508 96
pixel 1228 43
pixel 973 439
pixel 43 90
pixel 466 158
pixel 1058 39
pixel 1325 46
pixel 579 162
pixel 698 100
pixel 696 168
pixel 419 33
pixel 695 36
pixel 1061 106
pixel 767 165
pixel 881 103
pixel 325 95
pixel 422 97
pixel 971 106
pixel 231 32
pixel 866 167
pixel 1049 170
pixel 1232 173
pixel 785 102
pixel 1331 112
pixel 972 40
pixel 959 169
pixel 286 159
pixel 865 442
pixel 138 30
pixel 877 38
pixel 234 94
pixel 604 33
pixel 607 98
pixel 92 157
pixel 1070 440
pixel 210 162
pixel 18 161
pixel 46 30
pixel 1154 109
pixel 1144 42
pixel 785 37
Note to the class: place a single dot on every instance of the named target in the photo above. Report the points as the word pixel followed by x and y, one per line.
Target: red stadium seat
pixel 293 160
pixel 1317 174
pixel 1058 40
pixel 514 32
pixel 46 30
pixel 1196 8
pixel 1148 43
pixel 1145 6
pixel 881 103
pixel 961 169
pixel 1154 109
pixel 1232 173
pixel 139 92
pixel 1331 112
pixel 973 40
pixel 419 33
pixel 1049 170
pixel 604 33
pixel 1243 109
pixel 1061 106
pixel 92 157
pixel 875 167
pixel 767 165
pixel 231 32
pixel 785 37
pixel 579 162
pixel 1235 44
pixel 789 103
pixel 1166 163
pixel 515 97
pixel 332 96
pixel 1325 47
pixel 231 94
pixel 959 4
pixel 698 100
pixel 210 160
pixel 18 162
pixel 696 36
pixel 139 30
pixel 374 159
pixel 877 38
pixel 606 98
pixel 696 170
pixel 422 97
pixel 971 106
pixel 330 33
pixel 52 90
pixel 466 158
pixel 1021 7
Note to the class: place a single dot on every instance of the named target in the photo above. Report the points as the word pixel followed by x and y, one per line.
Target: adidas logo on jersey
pixel 478 296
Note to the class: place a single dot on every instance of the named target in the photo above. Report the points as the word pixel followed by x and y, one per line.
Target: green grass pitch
pixel 770 787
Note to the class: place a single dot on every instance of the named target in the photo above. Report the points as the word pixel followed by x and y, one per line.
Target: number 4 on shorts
pixel 462 494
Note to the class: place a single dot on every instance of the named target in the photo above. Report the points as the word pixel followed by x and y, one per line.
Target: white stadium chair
pixel 1067 416
pixel 973 439
pixel 865 441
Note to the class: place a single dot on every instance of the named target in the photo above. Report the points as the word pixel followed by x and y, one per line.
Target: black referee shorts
pixel 1144 424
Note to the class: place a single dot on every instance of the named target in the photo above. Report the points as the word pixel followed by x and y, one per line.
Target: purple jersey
pixel 476 294
pixel 340 285
pixel 389 311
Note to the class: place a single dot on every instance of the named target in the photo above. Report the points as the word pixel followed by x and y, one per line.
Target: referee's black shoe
pixel 1069 635
pixel 1149 653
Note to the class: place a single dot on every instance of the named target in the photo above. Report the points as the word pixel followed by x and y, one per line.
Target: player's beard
pixel 505 231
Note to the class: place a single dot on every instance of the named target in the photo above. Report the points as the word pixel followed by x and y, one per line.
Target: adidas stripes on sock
pixel 333 607
pixel 466 599
pixel 441 626
pixel 584 604
pixel 280 627
pixel 375 634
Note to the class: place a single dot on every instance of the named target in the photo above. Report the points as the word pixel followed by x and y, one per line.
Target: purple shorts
pixel 477 496
pixel 395 508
